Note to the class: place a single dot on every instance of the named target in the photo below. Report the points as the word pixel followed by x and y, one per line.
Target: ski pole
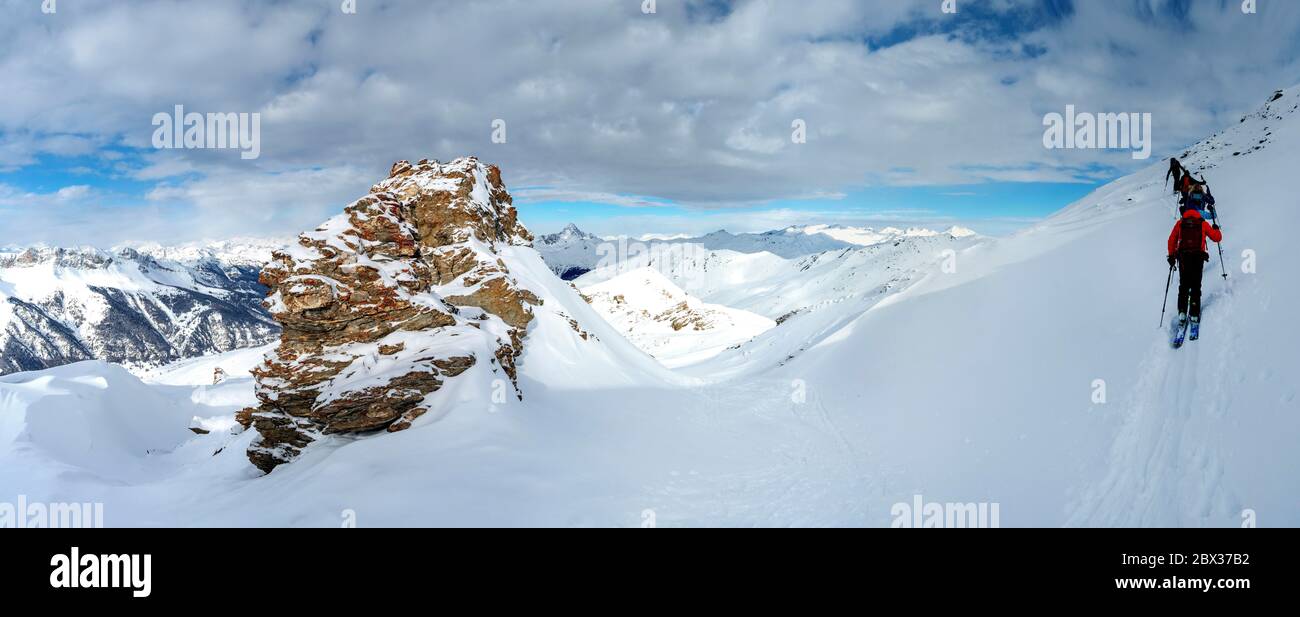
pixel 1221 266
pixel 1165 304
pixel 1215 214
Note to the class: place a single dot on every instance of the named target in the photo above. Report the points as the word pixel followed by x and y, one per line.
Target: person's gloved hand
pixel 1216 226
pixel 1170 259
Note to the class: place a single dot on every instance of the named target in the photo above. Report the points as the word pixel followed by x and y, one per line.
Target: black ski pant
pixel 1190 267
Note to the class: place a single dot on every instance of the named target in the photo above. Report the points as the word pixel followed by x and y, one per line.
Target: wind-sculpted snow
pixel 91 415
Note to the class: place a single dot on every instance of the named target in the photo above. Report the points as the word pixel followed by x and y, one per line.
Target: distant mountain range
pixel 139 306
pixel 573 252
pixel 146 305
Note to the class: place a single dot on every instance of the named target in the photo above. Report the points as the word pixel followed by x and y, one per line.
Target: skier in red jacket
pixel 1187 248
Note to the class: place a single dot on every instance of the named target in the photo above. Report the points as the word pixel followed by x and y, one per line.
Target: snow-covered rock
pixel 381 305
pixel 426 283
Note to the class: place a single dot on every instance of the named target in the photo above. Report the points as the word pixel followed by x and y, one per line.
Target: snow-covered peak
pixel 464 198
pixel 570 252
pixel 1252 133
pixel 56 257
pixel 236 251
pixel 571 234
pixel 417 295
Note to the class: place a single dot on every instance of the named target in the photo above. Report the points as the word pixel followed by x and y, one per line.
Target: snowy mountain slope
pixel 236 364
pixel 809 298
pixel 66 305
pixel 665 322
pixel 987 391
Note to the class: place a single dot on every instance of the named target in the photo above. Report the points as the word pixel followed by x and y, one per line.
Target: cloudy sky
pixel 623 120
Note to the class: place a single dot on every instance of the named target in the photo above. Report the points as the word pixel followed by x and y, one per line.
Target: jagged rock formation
pixel 61 305
pixel 384 303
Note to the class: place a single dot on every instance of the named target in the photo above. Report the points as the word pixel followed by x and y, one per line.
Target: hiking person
pixel 1176 172
pixel 1200 199
pixel 1187 248
pixel 1186 185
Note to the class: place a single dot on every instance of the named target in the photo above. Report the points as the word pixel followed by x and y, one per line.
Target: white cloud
pixel 602 100
pixel 69 193
pixel 229 203
pixel 539 194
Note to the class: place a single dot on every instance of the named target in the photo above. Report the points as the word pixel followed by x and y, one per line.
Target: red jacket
pixel 1207 230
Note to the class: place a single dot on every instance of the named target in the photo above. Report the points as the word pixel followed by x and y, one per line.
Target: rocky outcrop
pixel 383 304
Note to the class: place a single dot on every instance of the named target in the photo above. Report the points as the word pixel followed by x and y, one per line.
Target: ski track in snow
pixel 1165 467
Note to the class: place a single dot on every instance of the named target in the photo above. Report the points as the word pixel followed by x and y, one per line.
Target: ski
pixel 1180 331
pixel 1195 332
